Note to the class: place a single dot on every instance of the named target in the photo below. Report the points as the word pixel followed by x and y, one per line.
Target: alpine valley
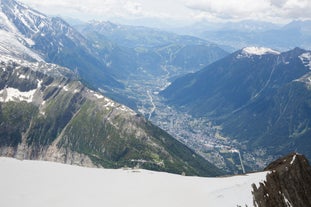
pixel 106 95
pixel 251 107
pixel 257 96
pixel 47 113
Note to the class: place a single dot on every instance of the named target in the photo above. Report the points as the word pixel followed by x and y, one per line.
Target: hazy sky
pixel 177 10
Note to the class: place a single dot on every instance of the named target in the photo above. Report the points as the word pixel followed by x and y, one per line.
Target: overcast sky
pixel 186 11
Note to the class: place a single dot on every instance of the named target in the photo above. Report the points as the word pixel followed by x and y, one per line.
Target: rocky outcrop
pixel 288 183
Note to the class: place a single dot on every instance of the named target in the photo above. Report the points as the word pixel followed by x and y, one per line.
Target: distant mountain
pixel 146 59
pixel 258 96
pixel 245 33
pixel 147 48
pixel 53 40
pixel 46 113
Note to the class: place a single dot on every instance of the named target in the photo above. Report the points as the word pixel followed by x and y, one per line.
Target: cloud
pixel 229 9
pixel 184 10
pixel 278 3
pixel 134 8
pixel 85 8
pixel 297 9
pixel 250 9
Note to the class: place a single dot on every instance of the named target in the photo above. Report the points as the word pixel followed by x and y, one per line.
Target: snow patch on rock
pixel 98 96
pixel 13 94
pixel 293 160
pixel 306 59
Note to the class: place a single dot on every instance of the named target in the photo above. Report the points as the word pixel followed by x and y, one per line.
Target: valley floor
pixel 200 134
pixel 38 183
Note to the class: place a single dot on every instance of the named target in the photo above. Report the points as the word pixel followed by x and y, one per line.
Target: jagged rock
pixel 288 183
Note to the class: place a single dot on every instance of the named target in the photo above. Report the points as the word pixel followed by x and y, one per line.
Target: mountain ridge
pixel 241 34
pixel 46 113
pixel 56 42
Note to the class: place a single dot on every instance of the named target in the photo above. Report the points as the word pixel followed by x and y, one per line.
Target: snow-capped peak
pixel 259 51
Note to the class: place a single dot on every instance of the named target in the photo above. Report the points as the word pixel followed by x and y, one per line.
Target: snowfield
pixel 256 51
pixel 39 183
pixel 259 51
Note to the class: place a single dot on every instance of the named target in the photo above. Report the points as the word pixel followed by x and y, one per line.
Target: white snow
pixel 98 96
pixel 293 160
pixel 13 94
pixel 12 42
pixel 249 51
pixel 110 104
pixel 288 204
pixel 38 183
pixel 11 45
pixel 66 88
pixel 22 76
pixel 306 59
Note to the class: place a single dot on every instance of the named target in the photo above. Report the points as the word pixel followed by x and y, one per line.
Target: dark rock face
pixel 288 184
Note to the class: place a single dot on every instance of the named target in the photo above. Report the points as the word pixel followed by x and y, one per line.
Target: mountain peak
pixel 259 51
pixel 288 162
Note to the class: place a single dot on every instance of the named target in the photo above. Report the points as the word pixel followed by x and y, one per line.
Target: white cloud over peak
pixel 229 9
pixel 184 10
pixel 278 3
pixel 296 9
pixel 134 8
pixel 250 9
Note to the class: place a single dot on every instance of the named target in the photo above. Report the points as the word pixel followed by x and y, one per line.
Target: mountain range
pixel 57 85
pixel 48 112
pixel 258 96
pixel 103 62
pixel 138 56
pixel 54 41
pixel 142 48
pixel 246 33
pixel 252 87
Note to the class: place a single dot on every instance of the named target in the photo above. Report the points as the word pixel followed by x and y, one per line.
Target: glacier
pixel 38 183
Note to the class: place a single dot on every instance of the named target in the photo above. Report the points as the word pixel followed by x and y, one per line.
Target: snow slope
pixel 38 183
pixel 12 42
